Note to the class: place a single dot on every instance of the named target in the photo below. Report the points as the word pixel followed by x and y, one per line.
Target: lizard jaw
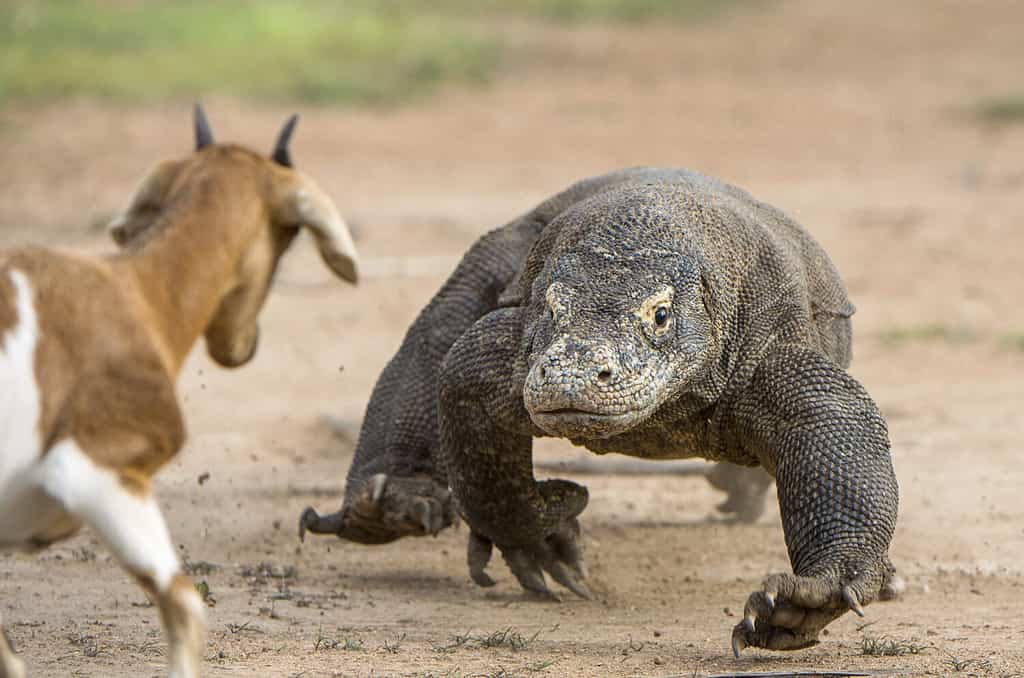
pixel 583 424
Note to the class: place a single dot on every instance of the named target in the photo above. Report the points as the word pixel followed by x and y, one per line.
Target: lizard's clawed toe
pixel 568 577
pixel 528 571
pixel 559 555
pixel 790 611
pixel 739 642
pixel 850 596
pixel 385 508
pixel 478 554
pixel 312 521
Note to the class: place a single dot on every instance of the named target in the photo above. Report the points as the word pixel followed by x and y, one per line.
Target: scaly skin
pixel 666 314
pixel 396 486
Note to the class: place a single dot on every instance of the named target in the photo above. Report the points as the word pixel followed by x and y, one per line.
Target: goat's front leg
pixel 121 508
pixel 11 665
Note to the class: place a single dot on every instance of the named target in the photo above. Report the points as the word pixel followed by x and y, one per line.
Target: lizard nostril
pixel 604 376
pixel 543 372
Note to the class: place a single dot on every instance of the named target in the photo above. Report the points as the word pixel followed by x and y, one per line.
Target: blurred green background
pixel 354 51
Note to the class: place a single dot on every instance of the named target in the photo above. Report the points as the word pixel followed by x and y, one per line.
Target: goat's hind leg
pixel 133 526
pixel 122 510
pixel 11 665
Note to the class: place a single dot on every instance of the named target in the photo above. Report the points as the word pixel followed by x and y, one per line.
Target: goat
pixel 90 349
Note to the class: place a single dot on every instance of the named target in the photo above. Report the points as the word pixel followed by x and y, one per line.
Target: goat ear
pixel 281 154
pixel 145 205
pixel 313 209
pixel 204 135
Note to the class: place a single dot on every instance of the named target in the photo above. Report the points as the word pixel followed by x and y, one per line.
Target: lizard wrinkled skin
pixel 651 312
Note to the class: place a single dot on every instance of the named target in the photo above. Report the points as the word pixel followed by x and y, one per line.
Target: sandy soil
pixel 848 115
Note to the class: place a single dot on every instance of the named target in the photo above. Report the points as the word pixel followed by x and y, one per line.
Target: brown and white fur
pixel 90 349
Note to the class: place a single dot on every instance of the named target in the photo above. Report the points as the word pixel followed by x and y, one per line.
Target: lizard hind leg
pixel 745 490
pixel 893 585
pixel 385 508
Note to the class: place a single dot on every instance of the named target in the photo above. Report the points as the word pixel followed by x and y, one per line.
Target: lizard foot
pixel 560 553
pixel 386 508
pixel 745 489
pixel 790 611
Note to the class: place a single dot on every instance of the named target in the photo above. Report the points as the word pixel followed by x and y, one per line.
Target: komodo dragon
pixel 658 313
pixel 395 488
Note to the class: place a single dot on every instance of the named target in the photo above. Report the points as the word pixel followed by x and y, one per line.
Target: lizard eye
pixel 661 316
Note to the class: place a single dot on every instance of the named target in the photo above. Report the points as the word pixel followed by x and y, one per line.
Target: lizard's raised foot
pixel 560 553
pixel 386 508
pixel 790 611
pixel 745 490
pixel 894 587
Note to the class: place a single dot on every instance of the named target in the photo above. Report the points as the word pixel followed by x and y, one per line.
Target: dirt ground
pixel 850 116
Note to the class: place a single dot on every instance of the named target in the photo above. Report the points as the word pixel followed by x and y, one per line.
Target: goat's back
pixel 99 376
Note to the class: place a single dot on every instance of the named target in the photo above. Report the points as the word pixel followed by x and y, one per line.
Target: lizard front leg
pixel 817 429
pixel 486 446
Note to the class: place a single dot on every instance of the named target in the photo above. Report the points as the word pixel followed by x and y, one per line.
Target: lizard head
pixel 622 324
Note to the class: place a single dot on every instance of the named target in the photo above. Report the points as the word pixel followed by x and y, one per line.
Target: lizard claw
pixel 378 483
pixel 748 622
pixel 850 596
pixel 569 578
pixel 429 520
pixel 314 522
pixel 528 572
pixel 478 554
pixel 738 644
pixel 308 516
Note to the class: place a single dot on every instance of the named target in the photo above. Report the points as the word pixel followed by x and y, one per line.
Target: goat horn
pixel 204 136
pixel 281 154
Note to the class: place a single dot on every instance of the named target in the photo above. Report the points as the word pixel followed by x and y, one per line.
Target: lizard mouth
pixel 572 412
pixel 572 422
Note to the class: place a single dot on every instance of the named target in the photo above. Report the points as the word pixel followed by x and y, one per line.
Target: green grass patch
pixel 315 50
pixel 886 646
pixel 1001 110
pixel 592 10
pixel 325 642
pixel 508 638
pixel 899 336
pixel 357 51
pixel 1014 340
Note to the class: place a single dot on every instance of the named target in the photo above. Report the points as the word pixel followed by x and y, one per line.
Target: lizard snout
pixel 571 368
pixel 580 390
